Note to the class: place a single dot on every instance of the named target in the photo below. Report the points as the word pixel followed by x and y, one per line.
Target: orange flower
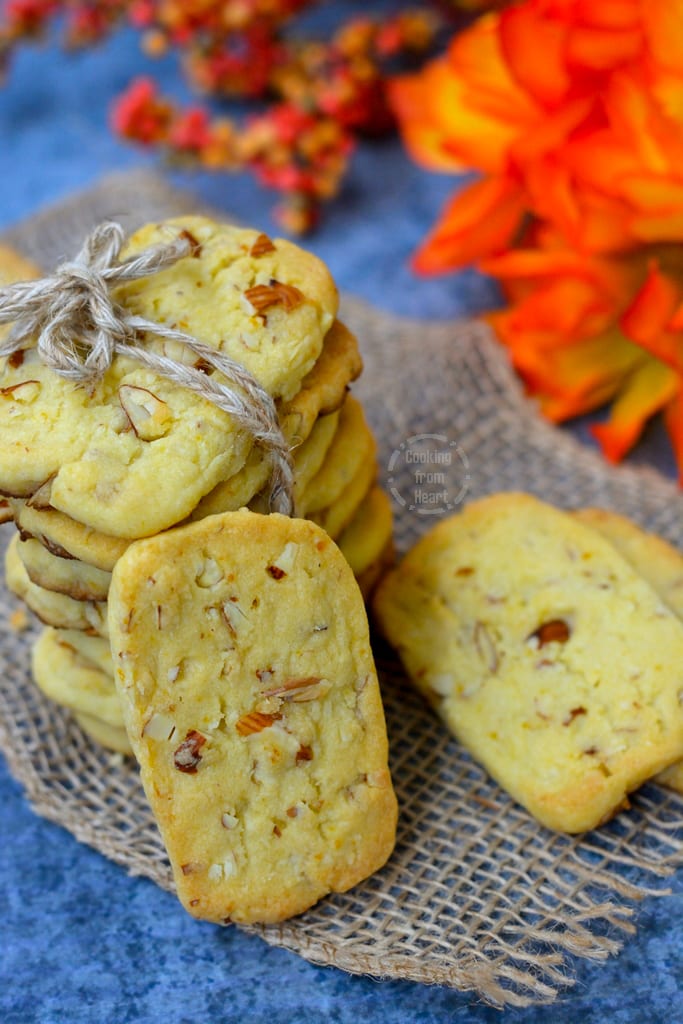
pixel 572 110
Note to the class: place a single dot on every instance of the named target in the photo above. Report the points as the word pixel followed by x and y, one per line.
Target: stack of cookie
pixel 88 470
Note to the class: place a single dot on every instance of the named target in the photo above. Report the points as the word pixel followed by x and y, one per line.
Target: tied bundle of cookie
pixel 89 469
pixel 226 647
pixel 551 643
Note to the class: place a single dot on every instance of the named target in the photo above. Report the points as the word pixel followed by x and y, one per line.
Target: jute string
pixel 78 328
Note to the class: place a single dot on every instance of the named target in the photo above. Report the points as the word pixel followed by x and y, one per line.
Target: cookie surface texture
pixel 242 656
pixel 549 658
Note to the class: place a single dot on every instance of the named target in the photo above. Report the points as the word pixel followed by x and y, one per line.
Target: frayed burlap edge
pixel 476 895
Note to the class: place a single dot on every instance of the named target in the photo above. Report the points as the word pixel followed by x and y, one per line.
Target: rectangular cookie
pixel 548 656
pixel 242 657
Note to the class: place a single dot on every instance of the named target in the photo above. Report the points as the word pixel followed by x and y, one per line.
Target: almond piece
pixel 262 296
pixel 149 416
pixel 25 391
pixel 261 246
pixel 254 721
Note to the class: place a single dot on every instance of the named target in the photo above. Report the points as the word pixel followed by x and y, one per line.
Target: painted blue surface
pixel 82 942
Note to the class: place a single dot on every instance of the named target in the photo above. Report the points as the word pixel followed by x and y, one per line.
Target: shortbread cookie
pixel 65 537
pixel 352 447
pixel 134 453
pixel 338 516
pixel 243 660
pixel 370 576
pixel 323 390
pixel 366 537
pixel 266 303
pixel 240 489
pixel 67 576
pixel 15 267
pixel 92 649
pixel 73 682
pixel 127 456
pixel 657 562
pixel 110 736
pixel 51 608
pixel 550 659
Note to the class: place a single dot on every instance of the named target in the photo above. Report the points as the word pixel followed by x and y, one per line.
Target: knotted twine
pixel 80 328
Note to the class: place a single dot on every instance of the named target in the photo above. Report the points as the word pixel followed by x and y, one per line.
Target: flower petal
pixel 480 221
pixel 673 418
pixel 648 390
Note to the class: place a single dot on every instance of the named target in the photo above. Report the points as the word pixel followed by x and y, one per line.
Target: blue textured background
pixel 82 942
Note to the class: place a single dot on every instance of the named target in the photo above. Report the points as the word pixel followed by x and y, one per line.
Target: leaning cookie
pixel 547 655
pixel 657 562
pixel 242 657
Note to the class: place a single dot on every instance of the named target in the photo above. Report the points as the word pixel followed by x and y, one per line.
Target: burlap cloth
pixel 477 895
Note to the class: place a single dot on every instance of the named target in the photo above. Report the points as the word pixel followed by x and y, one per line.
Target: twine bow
pixel 79 329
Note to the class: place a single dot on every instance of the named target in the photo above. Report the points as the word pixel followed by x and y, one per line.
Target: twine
pixel 80 328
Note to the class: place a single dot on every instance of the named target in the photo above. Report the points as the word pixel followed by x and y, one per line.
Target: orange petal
pixel 480 221
pixel 565 309
pixel 440 127
pixel 577 378
pixel 551 132
pixel 663 20
pixel 648 390
pixel 673 418
pixel 476 59
pixel 615 14
pixel 534 48
pixel 652 308
pixel 652 193
pixel 603 49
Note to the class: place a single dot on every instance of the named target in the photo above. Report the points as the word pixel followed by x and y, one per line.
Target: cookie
pixel 547 655
pixel 241 489
pixel 67 576
pixel 65 537
pixel 337 517
pixel 323 390
pixel 134 453
pixel 242 656
pixel 267 304
pixel 353 446
pixel 73 682
pixel 369 577
pixel 657 562
pixel 15 267
pixel 368 535
pixel 89 648
pixel 110 736
pixel 128 456
pixel 51 608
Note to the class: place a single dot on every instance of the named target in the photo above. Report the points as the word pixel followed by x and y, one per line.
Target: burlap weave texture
pixel 476 895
